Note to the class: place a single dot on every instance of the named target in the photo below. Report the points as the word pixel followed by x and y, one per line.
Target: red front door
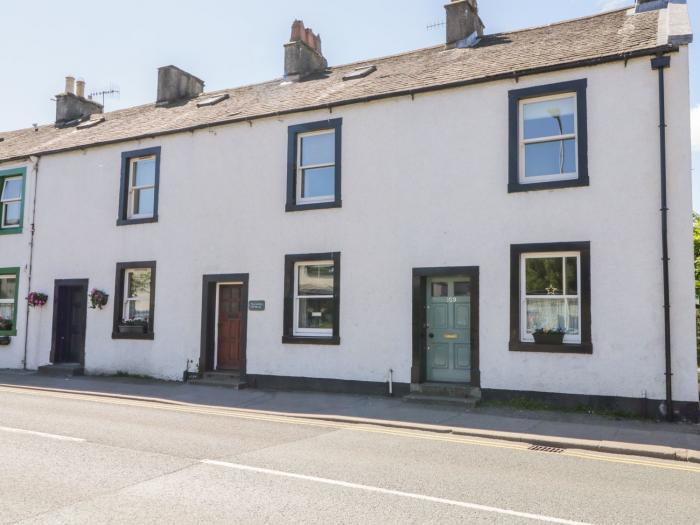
pixel 228 350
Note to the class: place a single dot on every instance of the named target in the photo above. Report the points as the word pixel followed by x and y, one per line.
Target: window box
pixel 314 165
pixel 132 328
pixel 312 299
pixel 5 340
pixel 139 187
pixel 548 142
pixel 548 338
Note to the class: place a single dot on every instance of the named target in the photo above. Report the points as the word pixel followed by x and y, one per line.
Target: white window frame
pixel 131 212
pixel 525 337
pixel 126 299
pixel 524 142
pixel 310 332
pixel 11 300
pixel 4 202
pixel 300 169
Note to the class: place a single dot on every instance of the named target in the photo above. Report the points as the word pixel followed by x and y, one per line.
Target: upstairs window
pixel 9 278
pixel 142 184
pixel 312 298
pixel 548 144
pixel 314 162
pixel 11 201
pixel 139 186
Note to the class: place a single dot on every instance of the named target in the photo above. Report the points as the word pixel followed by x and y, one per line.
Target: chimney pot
pixel 463 23
pixel 302 54
pixel 70 84
pixel 80 88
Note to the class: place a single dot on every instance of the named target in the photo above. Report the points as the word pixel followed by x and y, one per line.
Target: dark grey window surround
pixel 119 299
pixel 124 186
pixel 288 328
pixel 514 98
pixel 516 345
pixel 293 132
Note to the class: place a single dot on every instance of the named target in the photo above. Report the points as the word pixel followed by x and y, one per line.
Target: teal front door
pixel 448 330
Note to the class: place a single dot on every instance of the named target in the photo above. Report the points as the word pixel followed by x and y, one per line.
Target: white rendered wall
pixel 424 184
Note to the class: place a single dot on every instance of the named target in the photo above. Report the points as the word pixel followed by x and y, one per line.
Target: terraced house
pixel 493 203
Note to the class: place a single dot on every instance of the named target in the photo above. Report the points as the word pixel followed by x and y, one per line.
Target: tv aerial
pixel 112 91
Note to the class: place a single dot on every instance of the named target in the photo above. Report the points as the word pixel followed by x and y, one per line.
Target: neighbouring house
pixel 493 203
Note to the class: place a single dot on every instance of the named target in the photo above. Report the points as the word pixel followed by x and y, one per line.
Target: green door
pixel 448 331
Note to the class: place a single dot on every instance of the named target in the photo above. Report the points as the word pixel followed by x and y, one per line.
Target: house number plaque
pixel 256 306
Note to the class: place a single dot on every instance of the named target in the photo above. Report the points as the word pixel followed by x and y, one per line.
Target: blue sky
pixel 230 43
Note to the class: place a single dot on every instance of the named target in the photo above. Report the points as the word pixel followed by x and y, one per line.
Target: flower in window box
pixel 98 299
pixel 37 299
pixel 549 336
pixel 132 326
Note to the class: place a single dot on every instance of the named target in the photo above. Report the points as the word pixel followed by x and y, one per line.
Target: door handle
pixel 431 335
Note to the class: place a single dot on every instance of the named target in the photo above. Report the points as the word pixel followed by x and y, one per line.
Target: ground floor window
pixel 550 295
pixel 312 298
pixel 134 301
pixel 9 279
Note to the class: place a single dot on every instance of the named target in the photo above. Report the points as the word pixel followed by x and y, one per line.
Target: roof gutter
pixel 660 63
pixel 618 57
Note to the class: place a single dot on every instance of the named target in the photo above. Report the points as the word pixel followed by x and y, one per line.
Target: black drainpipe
pixel 660 63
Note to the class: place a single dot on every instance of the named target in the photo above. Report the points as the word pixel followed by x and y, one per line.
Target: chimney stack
pixel 302 54
pixel 464 27
pixel 72 106
pixel 174 85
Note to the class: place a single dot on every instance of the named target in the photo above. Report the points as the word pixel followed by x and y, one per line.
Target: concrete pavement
pixel 72 458
pixel 555 429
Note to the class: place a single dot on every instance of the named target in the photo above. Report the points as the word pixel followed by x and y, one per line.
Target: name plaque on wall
pixel 256 306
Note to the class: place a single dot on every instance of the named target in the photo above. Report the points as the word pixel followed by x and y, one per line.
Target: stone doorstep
pixel 62 369
pixel 445 394
pixel 221 379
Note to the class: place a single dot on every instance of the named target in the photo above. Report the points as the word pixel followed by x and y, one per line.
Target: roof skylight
pixel 91 123
pixel 211 101
pixel 360 72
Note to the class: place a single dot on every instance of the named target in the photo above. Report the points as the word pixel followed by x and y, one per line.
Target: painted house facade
pixel 493 204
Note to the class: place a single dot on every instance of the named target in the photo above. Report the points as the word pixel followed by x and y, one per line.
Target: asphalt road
pixel 68 458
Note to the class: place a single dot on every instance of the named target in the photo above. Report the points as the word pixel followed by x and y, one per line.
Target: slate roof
pixel 604 37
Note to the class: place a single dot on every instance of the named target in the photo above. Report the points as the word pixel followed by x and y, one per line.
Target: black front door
pixel 69 323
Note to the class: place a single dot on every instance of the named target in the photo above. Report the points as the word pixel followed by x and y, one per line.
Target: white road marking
pixel 369 488
pixel 41 434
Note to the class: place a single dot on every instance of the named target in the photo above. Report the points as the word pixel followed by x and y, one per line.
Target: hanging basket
pixel 37 299
pixel 98 299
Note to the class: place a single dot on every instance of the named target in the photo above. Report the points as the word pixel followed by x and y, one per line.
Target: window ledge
pixel 306 340
pixel 519 187
pixel 126 222
pixel 8 333
pixel 10 231
pixel 146 337
pixel 293 206
pixel 565 348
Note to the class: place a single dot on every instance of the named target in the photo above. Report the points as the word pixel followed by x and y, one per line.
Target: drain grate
pixel 541 448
